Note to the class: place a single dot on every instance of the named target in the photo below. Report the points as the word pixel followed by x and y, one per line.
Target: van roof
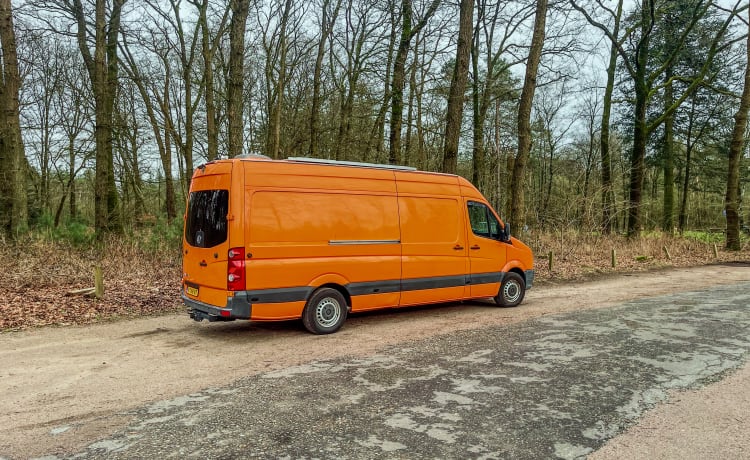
pixel 349 163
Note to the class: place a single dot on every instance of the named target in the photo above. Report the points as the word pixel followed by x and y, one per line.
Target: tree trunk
pixel 102 68
pixel 732 200
pixel 608 198
pixel 166 158
pixel 72 202
pixel 408 158
pixel 682 220
pixel 375 145
pixel 399 74
pixel 397 84
pixel 455 108
pixel 13 205
pixel 640 131
pixel 477 131
pixel 637 165
pixel 668 159
pixel 275 131
pixel 326 27
pixel 235 80
pixel 518 179
pixel 212 132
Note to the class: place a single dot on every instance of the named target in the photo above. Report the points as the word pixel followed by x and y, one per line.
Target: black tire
pixel 512 290
pixel 325 312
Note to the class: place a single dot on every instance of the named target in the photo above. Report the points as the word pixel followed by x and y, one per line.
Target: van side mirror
pixel 506 232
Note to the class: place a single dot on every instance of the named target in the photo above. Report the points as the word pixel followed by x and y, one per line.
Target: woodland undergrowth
pixel 142 271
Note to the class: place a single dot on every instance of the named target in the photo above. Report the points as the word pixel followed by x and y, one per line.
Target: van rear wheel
pixel 325 312
pixel 512 290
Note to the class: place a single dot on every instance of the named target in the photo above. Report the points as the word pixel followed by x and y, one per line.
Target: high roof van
pixel 273 240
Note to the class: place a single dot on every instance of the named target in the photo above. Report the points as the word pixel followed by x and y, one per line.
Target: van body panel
pixel 382 237
pixel 277 311
pixel 364 302
pixel 433 239
pixel 293 235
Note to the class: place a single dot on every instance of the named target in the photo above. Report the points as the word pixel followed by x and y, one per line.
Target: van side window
pixel 483 222
pixel 206 220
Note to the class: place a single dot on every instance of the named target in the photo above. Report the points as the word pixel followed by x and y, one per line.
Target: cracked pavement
pixel 558 386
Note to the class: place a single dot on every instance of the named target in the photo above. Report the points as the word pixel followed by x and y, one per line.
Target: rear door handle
pixel 458 247
pixel 476 246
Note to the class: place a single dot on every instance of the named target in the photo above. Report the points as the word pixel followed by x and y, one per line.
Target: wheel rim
pixel 512 291
pixel 328 312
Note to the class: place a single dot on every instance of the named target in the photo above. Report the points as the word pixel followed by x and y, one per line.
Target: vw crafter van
pixel 315 239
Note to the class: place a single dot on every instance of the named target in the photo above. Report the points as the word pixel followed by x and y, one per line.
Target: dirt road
pixel 64 388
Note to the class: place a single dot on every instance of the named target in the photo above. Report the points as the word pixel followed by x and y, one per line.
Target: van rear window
pixel 206 222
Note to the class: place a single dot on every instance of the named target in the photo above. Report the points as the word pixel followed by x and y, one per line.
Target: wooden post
pixel 716 251
pixel 666 252
pixel 614 258
pixel 551 260
pixel 98 282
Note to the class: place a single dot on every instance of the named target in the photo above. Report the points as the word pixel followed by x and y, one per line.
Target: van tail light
pixel 236 269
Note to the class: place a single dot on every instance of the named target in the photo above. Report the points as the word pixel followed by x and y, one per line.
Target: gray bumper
pixel 237 307
pixel 529 275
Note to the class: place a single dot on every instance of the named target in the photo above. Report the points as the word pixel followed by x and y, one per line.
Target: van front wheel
pixel 325 312
pixel 512 290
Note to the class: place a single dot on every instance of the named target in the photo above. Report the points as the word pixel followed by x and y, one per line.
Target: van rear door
pixel 206 238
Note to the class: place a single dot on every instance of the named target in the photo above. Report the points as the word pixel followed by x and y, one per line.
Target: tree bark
pixel 732 199
pixel 235 80
pixel 455 110
pixel 13 200
pixel 518 179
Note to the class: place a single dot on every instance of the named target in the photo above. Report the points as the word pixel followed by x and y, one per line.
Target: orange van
pixel 316 239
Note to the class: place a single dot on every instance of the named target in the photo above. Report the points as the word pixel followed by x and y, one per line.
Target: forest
pixel 603 116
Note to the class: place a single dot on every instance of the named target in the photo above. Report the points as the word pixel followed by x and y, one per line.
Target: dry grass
pixel 38 274
pixel 578 256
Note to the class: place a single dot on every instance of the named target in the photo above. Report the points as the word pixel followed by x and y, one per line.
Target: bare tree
pixel 492 37
pixel 276 45
pixel 102 67
pixel 518 179
pixel 608 199
pixel 155 103
pixel 408 31
pixel 329 13
pixel 209 48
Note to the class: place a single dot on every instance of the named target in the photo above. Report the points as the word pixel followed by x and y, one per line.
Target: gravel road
pixel 559 376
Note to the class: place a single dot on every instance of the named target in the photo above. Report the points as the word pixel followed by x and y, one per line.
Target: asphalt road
pixel 557 386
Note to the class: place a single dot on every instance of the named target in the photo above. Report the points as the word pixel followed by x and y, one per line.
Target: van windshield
pixel 206 222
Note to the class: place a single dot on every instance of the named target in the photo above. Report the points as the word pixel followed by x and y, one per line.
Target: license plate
pixel 192 290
